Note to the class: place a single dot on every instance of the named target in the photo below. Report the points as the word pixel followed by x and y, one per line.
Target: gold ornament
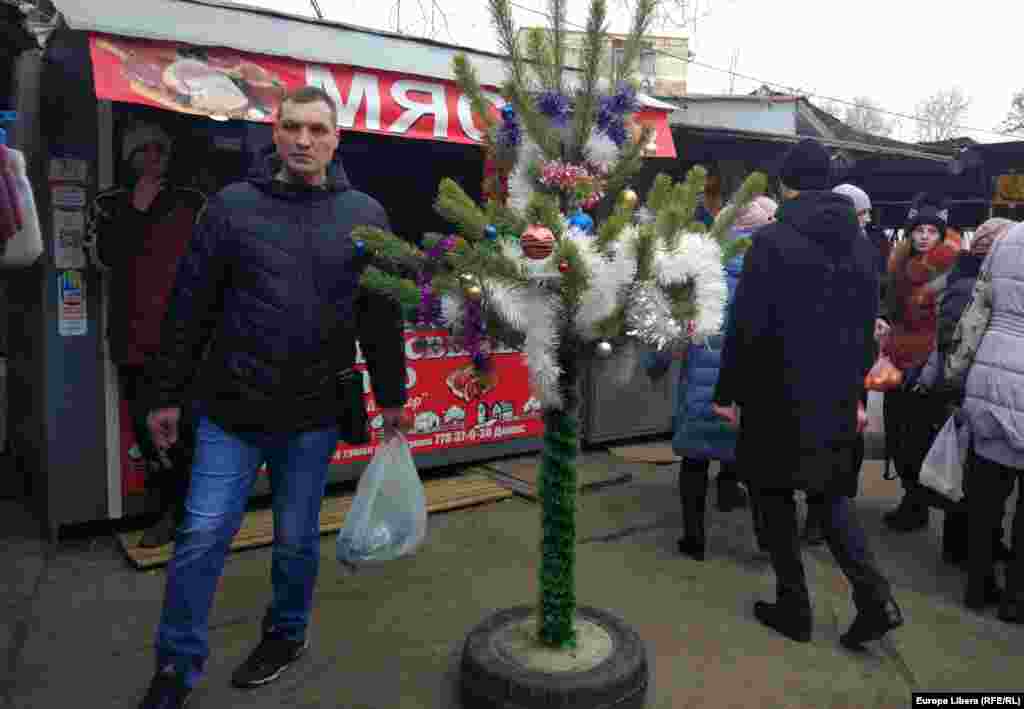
pixel 629 197
pixel 468 278
pixel 474 293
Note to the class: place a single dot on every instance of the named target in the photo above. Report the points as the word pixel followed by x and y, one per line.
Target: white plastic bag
pixel 943 468
pixel 388 518
pixel 26 246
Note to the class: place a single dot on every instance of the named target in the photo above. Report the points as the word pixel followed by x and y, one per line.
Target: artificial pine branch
pixel 755 184
pixel 576 279
pixel 457 207
pixel 586 97
pixel 659 193
pixel 505 219
pixel 401 289
pixel 539 53
pixel 558 41
pixel 672 217
pixel 643 250
pixel 630 162
pixel 642 18
pixel 543 209
pixel 696 178
pixel 493 264
pixel 536 125
pixel 466 76
pixel 505 27
pixel 611 229
pixel 613 325
pixel 389 250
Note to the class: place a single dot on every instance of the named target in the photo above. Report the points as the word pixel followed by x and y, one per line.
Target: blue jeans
pixel 223 472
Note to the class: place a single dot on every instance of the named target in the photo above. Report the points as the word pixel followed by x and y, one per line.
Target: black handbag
pixel 353 423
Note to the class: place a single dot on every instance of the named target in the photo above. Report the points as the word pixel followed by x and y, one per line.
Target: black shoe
pixel 731 496
pixel 161 533
pixel 693 548
pixel 870 625
pixel 813 534
pixel 1011 611
pixel 908 517
pixel 166 691
pixel 795 625
pixel 268 661
pixel 977 598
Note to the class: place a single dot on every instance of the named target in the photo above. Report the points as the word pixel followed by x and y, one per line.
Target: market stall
pixel 212 75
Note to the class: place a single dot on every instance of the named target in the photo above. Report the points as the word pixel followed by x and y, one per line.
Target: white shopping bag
pixel 388 517
pixel 943 468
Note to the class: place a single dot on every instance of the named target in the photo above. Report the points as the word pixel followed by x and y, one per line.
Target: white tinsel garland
pixel 520 183
pixel 601 151
pixel 697 259
pixel 541 347
pixel 608 277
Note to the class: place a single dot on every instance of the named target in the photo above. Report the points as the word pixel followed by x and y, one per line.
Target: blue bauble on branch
pixel 507 112
pixel 490 232
pixel 582 221
pixel 360 247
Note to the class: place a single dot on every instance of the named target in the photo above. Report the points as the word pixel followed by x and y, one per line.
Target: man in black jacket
pixel 262 324
pixel 794 359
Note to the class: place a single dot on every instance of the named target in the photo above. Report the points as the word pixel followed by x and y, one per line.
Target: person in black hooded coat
pixel 794 362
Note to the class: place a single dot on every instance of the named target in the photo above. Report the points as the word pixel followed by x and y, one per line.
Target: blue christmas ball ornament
pixel 507 112
pixel 360 247
pixel 491 232
pixel 582 221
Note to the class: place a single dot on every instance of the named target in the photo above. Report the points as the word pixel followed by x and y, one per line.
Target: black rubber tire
pixel 490 681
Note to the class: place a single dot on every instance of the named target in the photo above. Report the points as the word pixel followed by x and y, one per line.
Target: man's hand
pixel 395 422
pixel 862 418
pixel 163 427
pixel 146 190
pixel 730 413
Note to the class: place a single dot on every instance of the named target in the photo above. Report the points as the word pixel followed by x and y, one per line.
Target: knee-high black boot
pixel 693 491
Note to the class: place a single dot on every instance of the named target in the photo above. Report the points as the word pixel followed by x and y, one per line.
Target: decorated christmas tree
pixel 562 261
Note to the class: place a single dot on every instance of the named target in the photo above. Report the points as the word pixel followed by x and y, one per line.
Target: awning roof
pixel 259 31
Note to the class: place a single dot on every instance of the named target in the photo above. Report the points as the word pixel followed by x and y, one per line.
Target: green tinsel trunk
pixel 557 488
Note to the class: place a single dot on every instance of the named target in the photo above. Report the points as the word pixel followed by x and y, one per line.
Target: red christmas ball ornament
pixel 563 266
pixel 537 242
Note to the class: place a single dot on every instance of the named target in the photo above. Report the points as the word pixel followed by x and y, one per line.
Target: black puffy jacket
pixel 956 296
pixel 267 306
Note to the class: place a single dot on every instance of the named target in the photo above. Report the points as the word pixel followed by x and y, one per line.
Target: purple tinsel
pixel 623 101
pixel 474 332
pixel 555 106
pixel 616 130
pixel 429 312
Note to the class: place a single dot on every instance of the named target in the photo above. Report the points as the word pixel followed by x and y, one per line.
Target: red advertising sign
pixel 226 84
pixel 444 406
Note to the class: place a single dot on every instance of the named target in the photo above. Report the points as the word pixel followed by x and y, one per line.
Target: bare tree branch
pixel 1014 121
pixel 940 116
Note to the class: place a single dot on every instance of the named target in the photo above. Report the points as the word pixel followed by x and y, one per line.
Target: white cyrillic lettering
pixel 365 88
pixel 414 111
pixel 465 110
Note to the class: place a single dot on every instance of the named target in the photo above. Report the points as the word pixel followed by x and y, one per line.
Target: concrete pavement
pixel 78 621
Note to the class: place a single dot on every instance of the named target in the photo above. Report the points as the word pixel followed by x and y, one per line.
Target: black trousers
pixel 165 488
pixel 693 474
pixel 987 485
pixel 845 538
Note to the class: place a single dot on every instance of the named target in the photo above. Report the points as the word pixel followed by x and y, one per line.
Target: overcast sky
pixel 896 52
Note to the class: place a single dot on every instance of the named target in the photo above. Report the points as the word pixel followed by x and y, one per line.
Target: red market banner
pixel 224 84
pixel 445 405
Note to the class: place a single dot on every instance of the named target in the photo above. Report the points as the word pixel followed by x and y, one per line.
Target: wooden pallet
pixel 657 453
pixel 257 529
pixel 521 476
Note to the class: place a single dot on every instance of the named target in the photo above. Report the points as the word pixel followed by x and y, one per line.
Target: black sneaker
pixel 166 691
pixel 795 624
pixel 268 661
pixel 872 624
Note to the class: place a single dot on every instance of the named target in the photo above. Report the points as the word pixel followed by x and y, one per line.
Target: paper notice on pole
pixel 69 170
pixel 68 234
pixel 69 197
pixel 71 314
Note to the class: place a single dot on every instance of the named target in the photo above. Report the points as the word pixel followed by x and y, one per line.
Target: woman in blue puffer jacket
pixel 699 436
